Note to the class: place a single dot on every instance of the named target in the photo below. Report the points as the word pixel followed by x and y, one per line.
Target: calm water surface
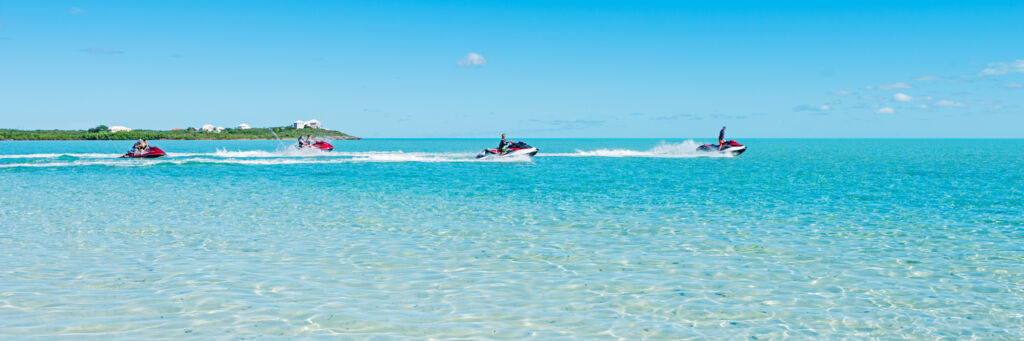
pixel 592 239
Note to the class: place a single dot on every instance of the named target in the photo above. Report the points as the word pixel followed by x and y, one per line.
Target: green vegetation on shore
pixel 100 133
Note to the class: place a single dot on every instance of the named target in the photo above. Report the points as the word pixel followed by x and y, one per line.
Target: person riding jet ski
pixel 139 147
pixel 142 149
pixel 503 145
pixel 724 146
pixel 509 149
pixel 721 138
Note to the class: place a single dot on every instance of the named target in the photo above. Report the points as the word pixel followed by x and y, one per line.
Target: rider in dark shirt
pixel 503 145
pixel 137 147
pixel 721 138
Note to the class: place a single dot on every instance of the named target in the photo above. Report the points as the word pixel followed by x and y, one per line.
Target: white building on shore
pixel 115 129
pixel 243 126
pixel 209 128
pixel 300 124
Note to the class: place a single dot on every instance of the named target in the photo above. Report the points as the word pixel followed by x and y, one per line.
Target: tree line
pixel 100 133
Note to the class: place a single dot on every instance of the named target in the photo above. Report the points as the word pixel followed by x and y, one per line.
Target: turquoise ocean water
pixel 592 239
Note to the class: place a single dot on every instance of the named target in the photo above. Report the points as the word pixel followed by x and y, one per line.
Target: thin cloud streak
pixel 1002 68
pixel 949 104
pixel 894 86
pixel 95 50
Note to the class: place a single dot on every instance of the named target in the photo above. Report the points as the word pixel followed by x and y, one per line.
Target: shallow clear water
pixel 590 239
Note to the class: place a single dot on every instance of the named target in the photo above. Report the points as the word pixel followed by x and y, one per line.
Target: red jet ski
pixel 321 145
pixel 149 153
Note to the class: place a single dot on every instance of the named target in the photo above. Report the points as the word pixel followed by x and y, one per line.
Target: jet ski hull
pixel 512 153
pixel 731 147
pixel 321 145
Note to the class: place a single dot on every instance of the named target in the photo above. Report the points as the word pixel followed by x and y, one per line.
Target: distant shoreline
pixel 180 139
pixel 101 133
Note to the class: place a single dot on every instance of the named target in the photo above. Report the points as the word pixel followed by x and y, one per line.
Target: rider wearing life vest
pixel 503 145
pixel 138 147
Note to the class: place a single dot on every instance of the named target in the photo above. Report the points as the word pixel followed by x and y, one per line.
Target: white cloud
pixel 843 93
pixel 949 104
pixel 823 107
pixel 886 110
pixel 76 11
pixel 923 106
pixel 472 59
pixel 1014 85
pixel 1002 68
pixel 902 97
pixel 892 86
pixel 927 78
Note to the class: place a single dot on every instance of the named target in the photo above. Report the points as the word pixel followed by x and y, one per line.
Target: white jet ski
pixel 515 149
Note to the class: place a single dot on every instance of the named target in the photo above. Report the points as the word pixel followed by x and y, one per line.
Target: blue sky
pixel 529 68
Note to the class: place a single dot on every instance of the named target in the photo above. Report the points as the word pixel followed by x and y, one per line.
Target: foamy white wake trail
pixel 368 155
pixel 168 161
pixel 686 149
pixel 292 156
pixel 251 157
pixel 245 153
pixel 78 163
pixel 406 157
pixel 56 155
pixel 286 152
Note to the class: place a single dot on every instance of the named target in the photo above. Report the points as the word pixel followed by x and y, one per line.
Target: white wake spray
pixel 685 149
pixel 249 157
pixel 57 155
pixel 292 156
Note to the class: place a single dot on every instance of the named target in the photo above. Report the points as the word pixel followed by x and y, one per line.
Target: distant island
pixel 111 133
